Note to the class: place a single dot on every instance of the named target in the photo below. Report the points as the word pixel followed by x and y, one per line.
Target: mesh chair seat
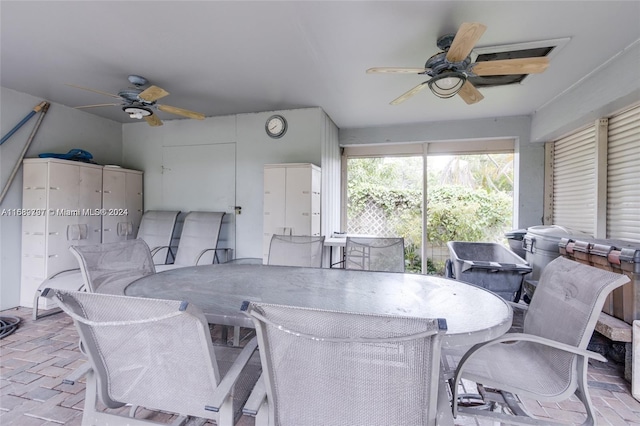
pixel 338 368
pixel 198 240
pixel 110 267
pixel 548 361
pixel 375 254
pixel 296 250
pixel 156 229
pixel 155 354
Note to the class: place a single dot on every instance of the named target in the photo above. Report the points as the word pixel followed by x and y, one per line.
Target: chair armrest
pixel 513 337
pixel 57 276
pixel 256 398
pixel 62 272
pixel 201 254
pixel 519 306
pixel 226 384
pixel 155 250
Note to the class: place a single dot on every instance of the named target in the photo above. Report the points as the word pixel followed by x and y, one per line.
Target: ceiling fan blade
pixel 153 93
pixel 469 93
pixel 181 111
pixel 392 70
pixel 466 38
pixel 94 106
pixel 408 94
pixel 153 120
pixel 93 90
pixel 511 66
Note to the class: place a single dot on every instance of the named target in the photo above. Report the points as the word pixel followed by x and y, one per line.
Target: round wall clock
pixel 276 126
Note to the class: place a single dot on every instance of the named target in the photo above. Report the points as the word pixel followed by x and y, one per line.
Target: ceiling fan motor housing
pixel 444 42
pixel 438 63
pixel 137 80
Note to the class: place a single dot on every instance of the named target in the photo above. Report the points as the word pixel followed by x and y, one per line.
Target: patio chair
pixel 110 267
pixel 156 229
pixel 69 279
pixel 296 250
pixel 375 254
pixel 156 354
pixel 548 361
pixel 198 240
pixel 327 368
pixel 118 263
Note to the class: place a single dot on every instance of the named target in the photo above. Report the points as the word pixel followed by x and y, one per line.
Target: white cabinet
pixel 291 201
pixel 62 205
pixel 122 203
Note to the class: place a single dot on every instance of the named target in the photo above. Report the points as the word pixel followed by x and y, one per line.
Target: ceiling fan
pixel 139 102
pixel 451 68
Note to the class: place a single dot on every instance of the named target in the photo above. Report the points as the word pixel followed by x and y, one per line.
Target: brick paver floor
pixel 35 359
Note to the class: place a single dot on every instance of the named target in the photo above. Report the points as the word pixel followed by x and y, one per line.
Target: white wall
pixel 615 85
pixel 303 143
pixel 62 129
pixel 529 158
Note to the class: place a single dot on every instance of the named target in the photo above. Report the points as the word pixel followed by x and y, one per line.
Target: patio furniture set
pixel 361 345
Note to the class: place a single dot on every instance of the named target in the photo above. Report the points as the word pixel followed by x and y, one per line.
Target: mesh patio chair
pixel 548 361
pixel 198 240
pixel 156 229
pixel 296 250
pixel 117 264
pixel 156 354
pixel 337 368
pixel 375 254
pixel 110 267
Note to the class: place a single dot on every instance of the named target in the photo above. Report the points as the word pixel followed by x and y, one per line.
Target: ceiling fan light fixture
pixel 137 112
pixel 447 84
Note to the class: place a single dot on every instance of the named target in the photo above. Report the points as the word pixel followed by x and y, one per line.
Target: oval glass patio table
pixel 473 314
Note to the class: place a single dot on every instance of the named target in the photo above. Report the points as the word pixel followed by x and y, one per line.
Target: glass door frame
pixel 425 149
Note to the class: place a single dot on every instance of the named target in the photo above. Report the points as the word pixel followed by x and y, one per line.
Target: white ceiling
pixel 224 58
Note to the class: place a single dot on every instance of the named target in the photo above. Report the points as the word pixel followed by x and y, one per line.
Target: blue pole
pixel 21 123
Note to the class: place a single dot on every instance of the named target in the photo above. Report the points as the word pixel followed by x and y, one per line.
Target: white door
pixel 202 178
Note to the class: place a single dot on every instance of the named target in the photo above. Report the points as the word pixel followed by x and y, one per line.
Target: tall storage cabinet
pixel 122 201
pixel 291 201
pixel 62 205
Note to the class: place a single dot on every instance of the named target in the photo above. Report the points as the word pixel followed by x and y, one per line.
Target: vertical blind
pixel 574 180
pixel 623 176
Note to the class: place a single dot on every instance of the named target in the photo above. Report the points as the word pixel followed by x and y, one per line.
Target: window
pixel 386 187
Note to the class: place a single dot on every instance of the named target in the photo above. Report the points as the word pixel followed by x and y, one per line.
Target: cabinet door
pixel 90 202
pixel 34 196
pixel 64 183
pixel 113 200
pixel 134 202
pixel 274 204
pixel 298 200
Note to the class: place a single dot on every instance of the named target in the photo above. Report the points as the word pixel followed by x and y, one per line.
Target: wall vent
pixel 548 48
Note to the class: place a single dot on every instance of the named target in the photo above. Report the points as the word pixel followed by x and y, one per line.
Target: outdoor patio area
pixel 35 359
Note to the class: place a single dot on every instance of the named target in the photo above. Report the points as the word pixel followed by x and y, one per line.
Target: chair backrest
pixel 375 254
pixel 568 300
pixel 296 250
pixel 199 238
pixel 110 267
pixel 147 352
pixel 156 229
pixel 326 367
